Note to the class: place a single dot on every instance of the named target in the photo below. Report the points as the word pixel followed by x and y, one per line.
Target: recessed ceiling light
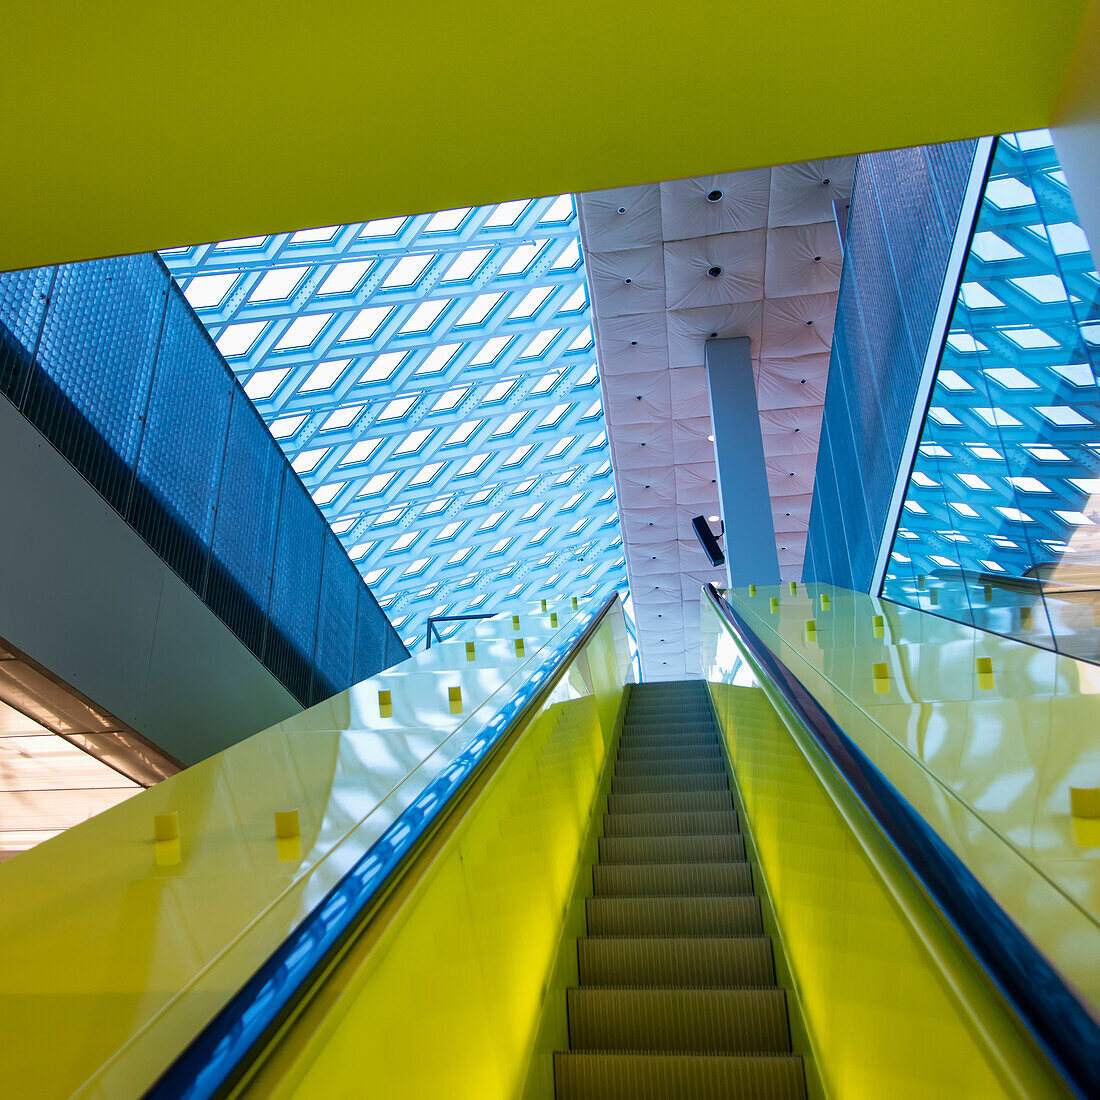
pixel 714 272
pixel 714 196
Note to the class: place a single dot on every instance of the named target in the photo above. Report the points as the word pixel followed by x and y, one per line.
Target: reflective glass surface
pixel 997 527
pixel 433 381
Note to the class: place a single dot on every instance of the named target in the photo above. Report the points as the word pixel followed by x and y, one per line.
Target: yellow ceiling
pixel 130 126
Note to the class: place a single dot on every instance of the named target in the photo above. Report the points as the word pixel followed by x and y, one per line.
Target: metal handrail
pixel 1061 1025
pixel 432 630
pixel 222 1051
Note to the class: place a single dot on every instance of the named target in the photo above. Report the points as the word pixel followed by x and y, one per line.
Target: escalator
pixel 677 993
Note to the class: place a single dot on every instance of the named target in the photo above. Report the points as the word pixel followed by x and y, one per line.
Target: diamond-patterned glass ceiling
pixel 433 381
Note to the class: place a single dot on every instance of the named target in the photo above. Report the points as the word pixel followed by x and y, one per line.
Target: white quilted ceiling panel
pixel 671 266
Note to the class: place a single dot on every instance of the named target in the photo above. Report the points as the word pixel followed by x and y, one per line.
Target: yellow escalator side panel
pixel 447 999
pixel 136 942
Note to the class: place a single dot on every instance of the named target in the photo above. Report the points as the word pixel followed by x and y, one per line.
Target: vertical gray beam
pixel 751 557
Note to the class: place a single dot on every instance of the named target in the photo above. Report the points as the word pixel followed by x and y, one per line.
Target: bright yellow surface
pixel 892 1005
pixel 987 760
pixel 447 1001
pixel 130 126
pixel 119 948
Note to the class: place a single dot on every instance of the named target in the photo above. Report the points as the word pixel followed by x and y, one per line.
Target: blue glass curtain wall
pixel 110 363
pixel 1000 522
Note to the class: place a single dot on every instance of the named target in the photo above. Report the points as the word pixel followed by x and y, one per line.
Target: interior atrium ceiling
pixel 433 381
pixel 671 265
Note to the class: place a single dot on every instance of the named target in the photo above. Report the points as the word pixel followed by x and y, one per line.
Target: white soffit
pixel 670 266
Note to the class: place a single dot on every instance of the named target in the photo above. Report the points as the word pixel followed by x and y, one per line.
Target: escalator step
pixel 669 784
pixel 675 802
pixel 676 962
pixel 672 766
pixel 680 916
pixel 703 753
pixel 703 1020
pixel 671 849
pixel 701 823
pixel 604 1076
pixel 654 740
pixel 637 880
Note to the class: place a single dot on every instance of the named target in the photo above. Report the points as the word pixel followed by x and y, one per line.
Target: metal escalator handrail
pixel 1061 1025
pixel 217 1056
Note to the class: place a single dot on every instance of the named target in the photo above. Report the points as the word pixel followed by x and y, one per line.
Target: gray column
pixel 751 557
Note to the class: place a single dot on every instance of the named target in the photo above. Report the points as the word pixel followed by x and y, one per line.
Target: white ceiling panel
pixel 752 254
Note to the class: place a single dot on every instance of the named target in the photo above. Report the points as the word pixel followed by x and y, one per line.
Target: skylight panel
pixel 567 476
pixel 408 269
pixel 325 494
pixel 324 376
pixel 963 509
pixel 945 563
pixel 360 452
pixel 1027 336
pixel 1028 484
pixel 1066 238
pixel 1077 374
pixel 965 343
pixel 448 532
pixel 390 515
pixel 506 214
pixel 479 309
pixel 373 577
pixel 989 247
pixel 302 331
pixel 554 415
pixel 952 536
pixel 1046 453
pixel 238 339
pixel 1006 544
pixel 343 525
pixel 1043 288
pixel 982 450
pixel 509 424
pixel 447 221
pixel 952 380
pixel 462 433
pixel 383 227
pixel 241 243
pixel 540 536
pixel 472 465
pixel 997 418
pixel 305 462
pixel 1090 485
pixel 521 258
pixel 579 525
pixel 426 474
pixel 583 340
pixel 205 291
pixel 992 566
pixel 534 510
pixel 465 264
pixel 437 360
pixel 1008 194
pixel 972 481
pixel 594 410
pixel 539 343
pixel 413 442
pixel 425 315
pixel 490 351
pixel 1076 519
pixel 492 521
pixel 1062 415
pixel 1015 515
pixel 576 301
pixel 569 258
pixel 915 508
pixel 376 484
pixel 943 416
pixel 525 486
pixel 345 277
pixel 517 456
pixel 321 235
pixel 366 323
pixel 499 391
pixel 546 382
pixel 403 541
pixel 451 399
pixel 440 504
pixel 499 547
pixel 588 379
pixel 286 426
pixel 482 495
pixel 572 502
pixel 976 296
pixel 398 407
pixel 561 446
pixel 560 210
pixel 460 556
pixel 277 284
pixel 382 367
pixel 1010 378
pixel 341 417
pixel 264 383
pixel 529 304
pixel 923 479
